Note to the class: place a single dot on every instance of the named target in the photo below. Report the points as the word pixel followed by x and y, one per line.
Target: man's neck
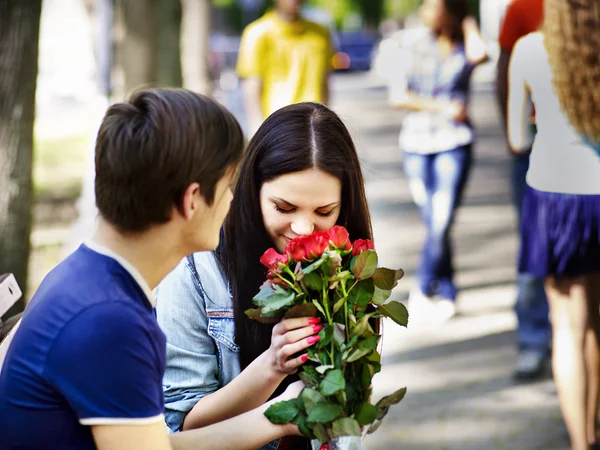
pixel 153 253
pixel 288 17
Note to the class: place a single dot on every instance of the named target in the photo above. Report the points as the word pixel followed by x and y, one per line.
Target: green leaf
pixel 387 279
pixel 324 412
pixel 362 293
pixel 266 291
pixel 369 343
pixel 343 275
pixel 303 426
pixel 315 265
pixel 392 399
pixel 303 310
pixel 325 335
pixel 334 381
pixel 367 374
pixel 380 296
pixel 311 397
pixel 313 281
pixel 319 307
pixel 366 413
pixel 309 376
pixel 361 327
pixel 357 354
pixel 373 428
pixel 339 304
pixel 255 314
pixel 282 412
pixel 321 433
pixel 345 427
pixel 278 301
pixel 324 368
pixel 365 265
pixel 395 311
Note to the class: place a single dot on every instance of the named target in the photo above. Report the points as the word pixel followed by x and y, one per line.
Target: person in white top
pixel 560 232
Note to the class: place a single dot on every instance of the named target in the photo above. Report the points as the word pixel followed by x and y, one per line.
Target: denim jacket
pixel 195 311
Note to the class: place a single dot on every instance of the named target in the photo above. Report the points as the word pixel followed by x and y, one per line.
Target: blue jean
pixel 531 307
pixel 437 183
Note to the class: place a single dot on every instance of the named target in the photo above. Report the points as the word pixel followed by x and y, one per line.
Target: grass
pixel 58 168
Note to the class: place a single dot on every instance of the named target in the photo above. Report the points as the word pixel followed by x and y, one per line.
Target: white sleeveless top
pixel 560 160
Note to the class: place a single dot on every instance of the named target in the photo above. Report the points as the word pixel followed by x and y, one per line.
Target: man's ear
pixel 192 201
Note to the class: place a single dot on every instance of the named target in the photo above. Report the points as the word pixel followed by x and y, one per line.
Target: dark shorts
pixel 560 234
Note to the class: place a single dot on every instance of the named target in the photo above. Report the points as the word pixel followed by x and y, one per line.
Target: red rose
pixel 360 245
pixel 316 244
pixel 309 247
pixel 340 237
pixel 296 249
pixel 271 258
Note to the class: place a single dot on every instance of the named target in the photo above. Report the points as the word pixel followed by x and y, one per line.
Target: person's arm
pixel 260 379
pixel 245 432
pixel 249 68
pixel 410 101
pixel 194 397
pixel 252 93
pixel 520 136
pixel 502 86
pixel 475 47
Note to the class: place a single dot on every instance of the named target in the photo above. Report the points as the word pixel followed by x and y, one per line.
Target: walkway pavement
pixel 460 391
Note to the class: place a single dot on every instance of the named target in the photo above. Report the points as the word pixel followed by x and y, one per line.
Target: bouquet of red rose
pixel 325 274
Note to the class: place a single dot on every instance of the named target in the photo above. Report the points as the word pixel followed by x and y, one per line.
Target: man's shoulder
pixel 260 27
pixel 317 28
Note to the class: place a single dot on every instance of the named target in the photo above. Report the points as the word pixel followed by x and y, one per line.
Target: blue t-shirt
pixel 88 352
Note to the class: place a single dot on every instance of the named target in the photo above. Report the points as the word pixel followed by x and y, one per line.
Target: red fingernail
pixel 313 320
pixel 317 328
pixel 311 340
pixel 304 357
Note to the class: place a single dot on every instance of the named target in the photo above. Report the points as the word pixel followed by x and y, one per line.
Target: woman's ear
pixel 192 201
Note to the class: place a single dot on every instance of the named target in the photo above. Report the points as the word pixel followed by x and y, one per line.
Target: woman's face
pixel 299 203
pixel 433 14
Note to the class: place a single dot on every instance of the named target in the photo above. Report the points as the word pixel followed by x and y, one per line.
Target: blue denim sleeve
pixel 192 363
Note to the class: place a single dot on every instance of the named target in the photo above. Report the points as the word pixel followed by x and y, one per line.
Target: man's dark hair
pixel 152 147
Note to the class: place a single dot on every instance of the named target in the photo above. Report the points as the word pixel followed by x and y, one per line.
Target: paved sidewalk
pixel 460 391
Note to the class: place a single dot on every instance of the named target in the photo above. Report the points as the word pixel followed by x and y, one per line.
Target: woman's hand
pixel 290 337
pixel 475 47
pixel 456 111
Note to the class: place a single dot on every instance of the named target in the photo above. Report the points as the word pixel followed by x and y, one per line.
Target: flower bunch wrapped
pixel 327 275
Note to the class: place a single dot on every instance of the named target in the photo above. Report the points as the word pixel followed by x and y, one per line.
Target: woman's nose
pixel 302 227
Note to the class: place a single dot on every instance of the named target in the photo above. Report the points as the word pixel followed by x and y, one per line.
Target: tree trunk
pixel 19 35
pixel 195 45
pixel 168 70
pixel 140 44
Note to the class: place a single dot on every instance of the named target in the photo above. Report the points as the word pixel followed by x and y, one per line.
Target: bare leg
pixel 592 357
pixel 569 317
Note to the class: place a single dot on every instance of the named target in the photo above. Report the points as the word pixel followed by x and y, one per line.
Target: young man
pixel 85 368
pixel 533 329
pixel 283 59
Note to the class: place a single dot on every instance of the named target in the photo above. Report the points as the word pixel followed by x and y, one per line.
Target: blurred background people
pixel 560 227
pixel 283 59
pixel 436 140
pixel 533 326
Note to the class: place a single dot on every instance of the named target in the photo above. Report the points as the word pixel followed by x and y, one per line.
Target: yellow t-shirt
pixel 292 60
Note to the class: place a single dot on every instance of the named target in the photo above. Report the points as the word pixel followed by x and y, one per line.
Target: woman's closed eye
pixel 291 210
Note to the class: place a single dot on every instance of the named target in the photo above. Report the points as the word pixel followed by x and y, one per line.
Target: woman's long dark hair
pixel 457 11
pixel 295 138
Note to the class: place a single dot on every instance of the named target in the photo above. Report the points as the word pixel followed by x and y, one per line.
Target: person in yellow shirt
pixel 283 59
